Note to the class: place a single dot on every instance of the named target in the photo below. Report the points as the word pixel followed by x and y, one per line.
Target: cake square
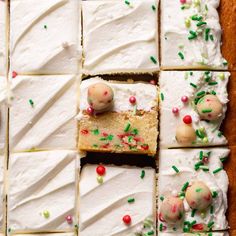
pixel 120 36
pixel 3 37
pixel 42 191
pixel 192 107
pixel 181 172
pixel 117 201
pixel 3 113
pixel 225 233
pixel 42 112
pixel 191 35
pixel 118 117
pixel 46 39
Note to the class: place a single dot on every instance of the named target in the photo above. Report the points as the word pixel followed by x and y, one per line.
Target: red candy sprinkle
pixel 14 74
pixel 187 119
pixel 175 110
pixel 182 1
pixel 184 99
pixel 161 218
pixel 69 219
pixel 198 227
pixel 101 170
pixel 127 219
pixel 84 131
pixel 90 110
pixel 132 100
pixel 153 82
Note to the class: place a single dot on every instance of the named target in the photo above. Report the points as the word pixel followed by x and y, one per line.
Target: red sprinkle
pixel 161 218
pixel 105 93
pixel 145 147
pixel 105 145
pixel 14 74
pixel 182 1
pixel 187 119
pixel 127 219
pixel 153 82
pixel 90 110
pixel 104 134
pixel 205 160
pixel 84 131
pixel 198 227
pixel 175 110
pixel 101 170
pixel 132 100
pixel 184 99
pixel 69 219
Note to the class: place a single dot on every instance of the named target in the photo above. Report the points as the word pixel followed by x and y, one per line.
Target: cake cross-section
pixel 120 36
pixel 193 106
pixel 192 190
pixel 117 201
pixel 118 116
pixel 42 191
pixel 191 35
pixel 42 112
pixel 46 39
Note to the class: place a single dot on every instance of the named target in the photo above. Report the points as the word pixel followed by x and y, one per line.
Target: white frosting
pixel 145 94
pixel 185 160
pixel 102 206
pixel 38 182
pixel 174 85
pixel 46 39
pixel 50 123
pixel 118 37
pixel 1 191
pixel 3 47
pixel 225 233
pixel 174 36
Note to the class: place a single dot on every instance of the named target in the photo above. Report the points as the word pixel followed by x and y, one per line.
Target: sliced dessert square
pixel 192 107
pixel 192 190
pixel 42 112
pixel 117 201
pixel 118 117
pixel 120 36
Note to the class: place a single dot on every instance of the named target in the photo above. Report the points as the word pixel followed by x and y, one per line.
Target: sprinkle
pixel 142 174
pixel 214 194
pixel 205 140
pixel 96 131
pixel 207 31
pixel 153 59
pixel 212 209
pixel 202 93
pixel 193 223
pixel 46 214
pixel 193 212
pixel 101 170
pixel 225 63
pixel 219 134
pixel 201 155
pixel 175 110
pixel 31 102
pixel 185 186
pixel 181 55
pixel 69 219
pixel 90 110
pixel 14 74
pixel 223 159
pixel 153 7
pixel 161 227
pixel 197 165
pixel 150 232
pixel 203 215
pixel 194 85
pixel 100 179
pixel 211 37
pixel 217 170
pixel 210 225
pixel 162 97
pixel 127 219
pixel 221 76
pixel 95 145
pixel 45 26
pixel 206 110
pixel 187 23
pixel 201 23
pixel 127 127
pixel 213 92
pixel 161 198
pixel 213 83
pixel 130 200
pixel 127 2
pixel 175 169
pixel 134 131
pixel 204 168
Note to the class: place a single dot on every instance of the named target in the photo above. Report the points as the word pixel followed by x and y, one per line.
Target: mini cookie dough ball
pixel 198 196
pixel 209 107
pixel 100 96
pixel 172 209
pixel 185 134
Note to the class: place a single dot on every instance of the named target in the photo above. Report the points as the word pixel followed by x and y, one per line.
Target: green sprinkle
pixel 153 59
pixel 201 23
pixel 127 127
pixel 212 209
pixel 134 131
pixel 185 186
pixel 217 170
pixel 162 97
pixel 95 145
pixel 153 7
pixel 211 37
pixel 181 194
pixel 150 232
pixel 175 169
pixel 214 194
pixel 213 83
pixel 200 94
pixel 31 102
pixel 204 168
pixel 193 212
pixel 207 72
pixel 46 214
pixel 193 223
pixel 198 190
pixel 219 134
pixel 225 63
pixel 181 55
pixel 161 198
pixel 206 110
pixel 96 131
pixel 213 92
pixel 45 26
pixel 191 73
pixel 223 159
pixel 100 179
pixel 130 200
pixel 142 174
pixel 110 137
pixel 103 139
pixel 207 31
pixel 210 225
pixel 194 17
pixel 201 155
pixel 193 85
pixel 199 134
pixel 127 2
pixel 161 227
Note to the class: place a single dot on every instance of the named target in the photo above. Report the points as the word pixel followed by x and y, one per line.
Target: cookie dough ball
pixel 172 209
pixel 185 134
pixel 209 107
pixel 198 196
pixel 100 96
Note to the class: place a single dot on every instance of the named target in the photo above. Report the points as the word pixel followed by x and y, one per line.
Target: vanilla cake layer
pixel 125 127
pixel 42 191
pixel 3 113
pixel 46 39
pixel 191 35
pixel 193 165
pixel 175 88
pixel 109 47
pixel 42 112
pixel 3 37
pixel 121 191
